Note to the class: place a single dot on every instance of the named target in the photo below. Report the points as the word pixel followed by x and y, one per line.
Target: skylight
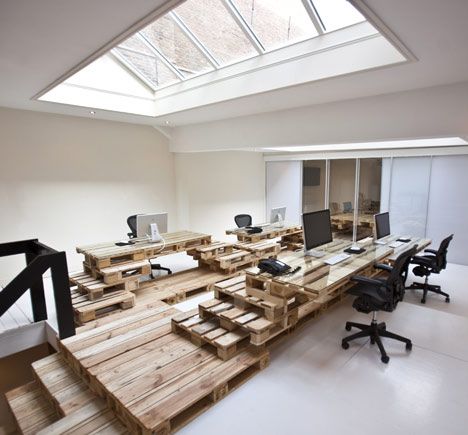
pixel 199 36
pixel 206 51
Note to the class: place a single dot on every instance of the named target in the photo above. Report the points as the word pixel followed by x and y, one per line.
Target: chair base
pixel 375 331
pixel 426 287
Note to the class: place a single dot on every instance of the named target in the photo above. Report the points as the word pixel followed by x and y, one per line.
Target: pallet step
pixel 118 274
pixel 226 342
pixel 60 385
pixel 94 417
pixel 30 409
pixel 86 310
pixel 96 288
pixel 261 249
pixel 211 251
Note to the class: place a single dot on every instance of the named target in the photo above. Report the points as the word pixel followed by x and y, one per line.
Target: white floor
pixel 313 386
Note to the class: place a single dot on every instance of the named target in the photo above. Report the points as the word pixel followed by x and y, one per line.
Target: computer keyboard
pixel 336 259
pixel 396 244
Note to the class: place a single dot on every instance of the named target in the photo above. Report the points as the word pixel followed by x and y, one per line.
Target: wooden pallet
pixel 293 241
pixel 225 342
pixel 153 379
pixel 261 249
pixel 118 274
pixel 105 255
pixel 211 251
pixel 32 413
pixel 60 385
pixel 230 262
pixel 267 233
pixel 86 310
pixel 95 288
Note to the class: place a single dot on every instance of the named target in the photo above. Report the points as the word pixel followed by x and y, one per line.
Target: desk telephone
pixel 273 266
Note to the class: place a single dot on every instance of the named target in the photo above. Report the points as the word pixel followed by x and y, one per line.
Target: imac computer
pixel 382 225
pixel 152 225
pixel 278 215
pixel 317 231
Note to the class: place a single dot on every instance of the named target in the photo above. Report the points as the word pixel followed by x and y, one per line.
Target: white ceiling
pixel 41 40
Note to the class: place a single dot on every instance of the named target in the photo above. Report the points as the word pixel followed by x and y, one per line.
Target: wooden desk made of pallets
pixel 269 231
pixel 343 220
pixel 259 307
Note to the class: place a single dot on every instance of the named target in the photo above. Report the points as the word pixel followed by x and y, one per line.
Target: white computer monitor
pixel 277 214
pixel 144 222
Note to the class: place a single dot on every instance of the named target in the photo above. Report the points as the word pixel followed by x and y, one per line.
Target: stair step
pixel 62 387
pixel 93 418
pixel 32 413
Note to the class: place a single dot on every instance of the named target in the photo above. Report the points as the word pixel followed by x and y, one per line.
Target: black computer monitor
pixel 382 225
pixel 317 228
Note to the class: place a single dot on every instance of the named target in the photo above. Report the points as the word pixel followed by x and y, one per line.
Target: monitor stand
pixel 314 253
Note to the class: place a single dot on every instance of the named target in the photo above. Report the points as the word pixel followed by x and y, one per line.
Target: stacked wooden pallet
pixel 293 241
pixel 270 232
pixel 154 380
pixel 111 273
pixel 261 249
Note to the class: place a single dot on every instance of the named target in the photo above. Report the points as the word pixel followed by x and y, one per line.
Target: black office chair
pixel 243 220
pixel 379 294
pixel 433 262
pixel 132 224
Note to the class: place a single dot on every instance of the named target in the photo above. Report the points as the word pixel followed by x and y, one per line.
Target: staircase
pixel 58 401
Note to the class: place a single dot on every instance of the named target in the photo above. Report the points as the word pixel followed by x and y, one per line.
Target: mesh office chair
pixel 380 294
pixel 243 220
pixel 347 207
pixel 433 262
pixel 132 224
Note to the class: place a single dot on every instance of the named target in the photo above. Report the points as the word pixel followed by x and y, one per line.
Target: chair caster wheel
pixel 348 327
pixel 423 301
pixel 345 345
pixel 372 341
pixel 385 359
pixel 409 346
pixel 447 299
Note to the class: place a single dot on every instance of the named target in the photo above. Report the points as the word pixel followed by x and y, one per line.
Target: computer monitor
pixel 347 207
pixel 317 229
pixel 277 214
pixel 382 225
pixel 144 222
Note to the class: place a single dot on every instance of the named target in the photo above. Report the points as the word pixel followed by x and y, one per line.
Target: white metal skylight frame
pixel 239 20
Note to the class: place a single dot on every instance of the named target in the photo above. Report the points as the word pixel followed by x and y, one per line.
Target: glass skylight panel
pixel 336 14
pixel 277 22
pixel 148 65
pixel 211 22
pixel 169 38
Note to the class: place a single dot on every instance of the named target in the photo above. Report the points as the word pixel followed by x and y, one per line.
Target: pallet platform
pixel 85 310
pixel 293 241
pixel 153 379
pixel 179 286
pixel 211 251
pixel 118 274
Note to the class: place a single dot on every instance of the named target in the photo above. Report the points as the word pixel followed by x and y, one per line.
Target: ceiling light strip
pixel 239 19
pixel 314 16
pixel 134 71
pixel 160 56
pixel 198 44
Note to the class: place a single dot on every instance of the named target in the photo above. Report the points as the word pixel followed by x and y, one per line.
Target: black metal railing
pixel 40 258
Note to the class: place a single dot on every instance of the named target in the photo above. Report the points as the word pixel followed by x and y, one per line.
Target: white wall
pixel 213 187
pixel 71 181
pixel 439 111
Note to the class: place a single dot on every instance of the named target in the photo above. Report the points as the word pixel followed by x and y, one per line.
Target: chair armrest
pixel 423 260
pixel 365 280
pixel 385 267
pixel 431 251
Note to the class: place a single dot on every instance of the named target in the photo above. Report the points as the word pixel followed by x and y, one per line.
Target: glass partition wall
pixel 333 184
